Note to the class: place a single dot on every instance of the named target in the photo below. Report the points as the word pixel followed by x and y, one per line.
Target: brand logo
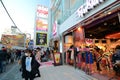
pixel 88 5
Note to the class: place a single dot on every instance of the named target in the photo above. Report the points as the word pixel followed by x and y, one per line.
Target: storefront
pixel 55 39
pixel 104 26
pixel 93 21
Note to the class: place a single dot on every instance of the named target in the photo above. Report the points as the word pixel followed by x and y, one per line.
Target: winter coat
pixel 34 66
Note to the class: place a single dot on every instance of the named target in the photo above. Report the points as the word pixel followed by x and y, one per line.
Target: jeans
pixel 3 66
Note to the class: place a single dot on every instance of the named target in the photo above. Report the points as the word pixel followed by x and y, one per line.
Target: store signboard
pixel 41 24
pixel 42 11
pixel 87 6
pixel 54 28
pixel 13 40
pixel 41 39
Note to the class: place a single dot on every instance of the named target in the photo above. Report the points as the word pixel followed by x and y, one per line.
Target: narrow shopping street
pixel 50 72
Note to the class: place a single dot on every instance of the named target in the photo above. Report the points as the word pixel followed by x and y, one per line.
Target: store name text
pixel 88 5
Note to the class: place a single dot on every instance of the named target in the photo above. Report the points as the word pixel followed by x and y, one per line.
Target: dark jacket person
pixel 29 66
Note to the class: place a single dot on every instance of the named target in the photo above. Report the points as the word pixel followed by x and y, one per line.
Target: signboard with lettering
pixel 42 11
pixel 41 39
pixel 88 5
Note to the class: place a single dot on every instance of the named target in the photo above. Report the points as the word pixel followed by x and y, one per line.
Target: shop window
pixel 113 40
pixel 96 41
pixel 103 41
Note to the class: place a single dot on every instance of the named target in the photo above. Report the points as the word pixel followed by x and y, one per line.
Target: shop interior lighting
pixel 79 28
pixel 105 23
pixel 109 12
pixel 90 34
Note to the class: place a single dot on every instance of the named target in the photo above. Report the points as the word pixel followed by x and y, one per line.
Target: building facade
pixel 84 15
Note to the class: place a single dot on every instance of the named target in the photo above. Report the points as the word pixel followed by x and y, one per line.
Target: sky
pixel 22 13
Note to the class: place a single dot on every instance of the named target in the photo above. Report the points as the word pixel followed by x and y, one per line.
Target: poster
pixel 41 39
pixel 13 40
pixel 41 25
pixel 57 58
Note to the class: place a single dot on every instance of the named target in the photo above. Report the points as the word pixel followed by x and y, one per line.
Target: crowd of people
pixel 28 59
pixel 89 59
pixel 8 56
pixel 92 58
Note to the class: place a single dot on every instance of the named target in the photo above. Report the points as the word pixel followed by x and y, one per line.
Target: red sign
pixel 55 28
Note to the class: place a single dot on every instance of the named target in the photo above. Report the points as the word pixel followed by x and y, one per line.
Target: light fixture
pixel 109 13
pixel 90 34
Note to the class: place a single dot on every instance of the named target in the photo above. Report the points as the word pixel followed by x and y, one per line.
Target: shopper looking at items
pixel 89 61
pixel 116 61
pixel 70 55
pixel 98 57
pixel 29 65
pixel 75 56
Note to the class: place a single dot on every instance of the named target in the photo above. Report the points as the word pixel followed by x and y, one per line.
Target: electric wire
pixel 9 15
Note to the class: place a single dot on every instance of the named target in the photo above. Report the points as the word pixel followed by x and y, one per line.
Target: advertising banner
pixel 42 11
pixel 41 24
pixel 41 39
pixel 54 28
pixel 57 58
pixel 13 40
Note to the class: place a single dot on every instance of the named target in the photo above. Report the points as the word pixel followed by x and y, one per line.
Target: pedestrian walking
pixel 29 66
pixel 38 58
pixel 3 58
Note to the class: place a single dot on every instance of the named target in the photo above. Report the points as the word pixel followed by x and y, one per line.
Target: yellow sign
pixel 57 58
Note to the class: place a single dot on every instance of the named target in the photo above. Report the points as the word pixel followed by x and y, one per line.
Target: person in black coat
pixel 3 58
pixel 116 60
pixel 29 65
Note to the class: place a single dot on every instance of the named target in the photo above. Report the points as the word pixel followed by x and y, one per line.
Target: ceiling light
pixel 105 23
pixel 109 13
pixel 90 34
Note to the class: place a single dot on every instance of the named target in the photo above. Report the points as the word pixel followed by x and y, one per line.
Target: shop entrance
pixel 103 29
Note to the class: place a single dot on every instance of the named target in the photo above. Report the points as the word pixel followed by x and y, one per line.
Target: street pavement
pixel 12 72
pixel 50 72
pixel 63 72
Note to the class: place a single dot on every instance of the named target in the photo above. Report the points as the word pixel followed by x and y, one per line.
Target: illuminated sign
pixel 41 39
pixel 42 11
pixel 41 24
pixel 55 28
pixel 13 40
pixel 88 5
